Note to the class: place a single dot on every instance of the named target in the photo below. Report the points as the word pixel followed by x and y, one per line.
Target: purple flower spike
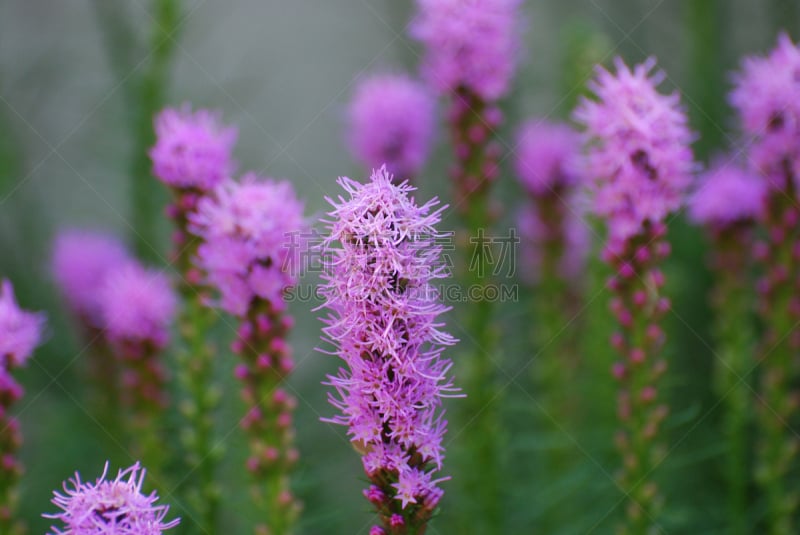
pixel 391 121
pixel 20 331
pixel 251 232
pixel 547 157
pixel 766 97
pixel 470 44
pixel 81 260
pixel 384 324
pixel 641 164
pixel 639 150
pixel 110 507
pixel 193 150
pixel 727 195
pixel 138 306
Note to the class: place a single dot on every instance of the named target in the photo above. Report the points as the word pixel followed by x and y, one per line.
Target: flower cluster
pixel 547 157
pixel 391 121
pixel 766 97
pixel 383 322
pixel 251 233
pixel 641 162
pixel 81 260
pixel 20 333
pixel 639 149
pixel 117 506
pixel 138 306
pixel 193 150
pixel 470 44
pixel 727 195
pixel 556 237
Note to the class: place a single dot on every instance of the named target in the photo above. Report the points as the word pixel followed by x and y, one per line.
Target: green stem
pixel 776 463
pixel 148 200
pixel 197 376
pixel 482 482
pixel 705 22
pixel 266 364
pixel 732 303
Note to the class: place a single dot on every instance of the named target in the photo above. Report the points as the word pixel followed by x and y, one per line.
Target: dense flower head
pixel 138 305
pixel 639 150
pixel 110 507
pixel 575 236
pixel 726 195
pixel 767 97
pixel 391 121
pixel 547 156
pixel 469 44
pixel 382 258
pixel 193 150
pixel 20 331
pixel 252 234
pixel 80 262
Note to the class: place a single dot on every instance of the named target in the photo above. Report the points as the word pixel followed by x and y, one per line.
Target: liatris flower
pixel 555 244
pixel 767 98
pixel 193 154
pixel 113 507
pixel 251 234
pixel 471 49
pixel 547 165
pixel 20 333
pixel 471 44
pixel 384 323
pixel 391 121
pixel 81 260
pixel 138 307
pixel 728 202
pixel 547 157
pixel 193 149
pixel 640 158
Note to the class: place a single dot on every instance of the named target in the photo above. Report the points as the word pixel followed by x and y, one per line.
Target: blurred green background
pixel 73 94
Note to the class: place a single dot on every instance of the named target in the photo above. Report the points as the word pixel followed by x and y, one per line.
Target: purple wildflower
pixel 81 260
pixel 383 322
pixel 639 152
pixel 193 150
pixel 138 306
pixel 20 331
pixel 251 232
pixel 547 156
pixel 391 121
pixel 640 159
pixel 767 97
pixel 113 507
pixel 727 195
pixel 470 44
